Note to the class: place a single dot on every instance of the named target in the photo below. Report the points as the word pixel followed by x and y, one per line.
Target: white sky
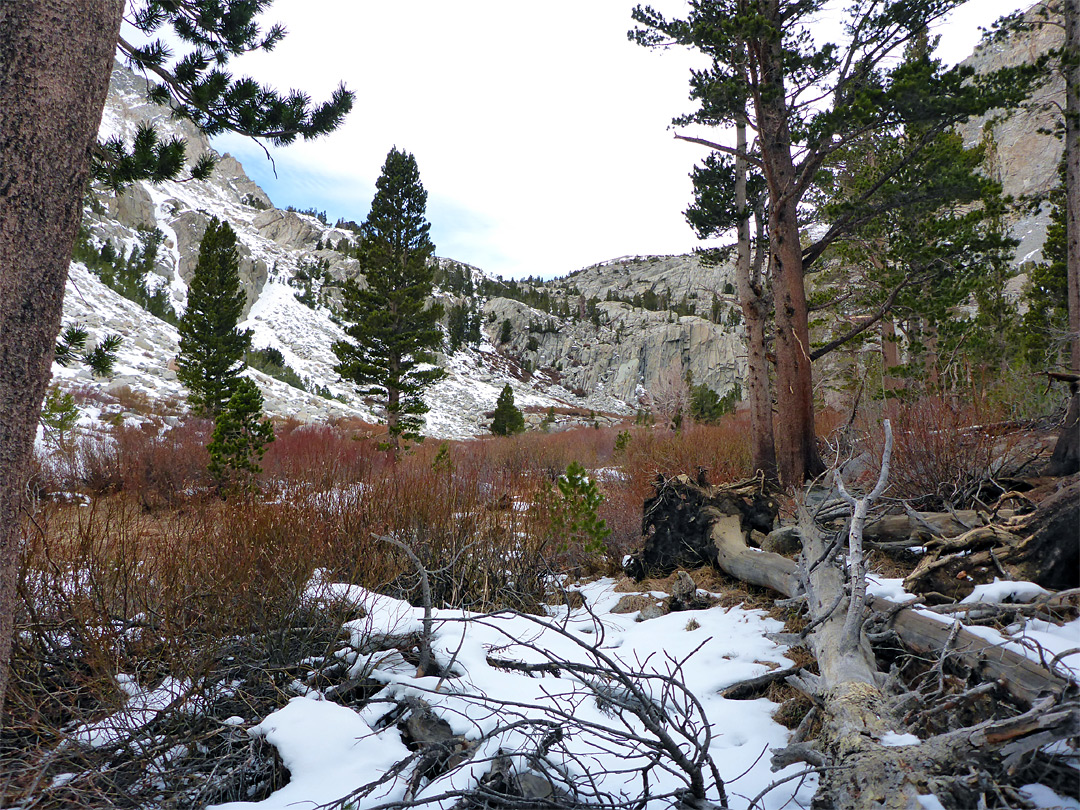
pixel 540 131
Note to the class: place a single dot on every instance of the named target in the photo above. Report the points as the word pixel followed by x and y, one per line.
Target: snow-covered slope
pixel 273 244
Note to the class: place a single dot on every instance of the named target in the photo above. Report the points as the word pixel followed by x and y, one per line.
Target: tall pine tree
pixel 805 100
pixel 394 331
pixel 211 348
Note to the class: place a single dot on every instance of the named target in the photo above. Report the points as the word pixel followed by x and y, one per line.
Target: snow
pixel 1042 796
pixel 142 707
pixel 890 739
pixel 331 750
pixel 1006 591
pixel 303 335
pixel 931 802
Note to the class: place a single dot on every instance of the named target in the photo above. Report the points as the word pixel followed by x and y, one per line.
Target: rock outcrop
pixel 1024 152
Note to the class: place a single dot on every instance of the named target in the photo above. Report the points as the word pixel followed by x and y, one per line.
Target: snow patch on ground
pixel 331 750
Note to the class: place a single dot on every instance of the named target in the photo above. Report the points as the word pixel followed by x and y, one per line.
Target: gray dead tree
pixel 865 751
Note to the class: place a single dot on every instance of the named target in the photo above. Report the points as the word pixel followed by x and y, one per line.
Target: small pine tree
pixel 59 415
pixel 507 420
pixel 574 510
pixel 211 348
pixel 394 332
pixel 239 439
pixel 505 331
pixel 707 407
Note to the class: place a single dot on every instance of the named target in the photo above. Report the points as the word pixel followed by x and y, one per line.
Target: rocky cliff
pixel 1024 152
pixel 613 362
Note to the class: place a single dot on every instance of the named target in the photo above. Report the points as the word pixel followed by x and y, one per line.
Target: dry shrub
pixel 532 453
pixel 621 511
pixel 479 550
pixel 723 449
pixel 212 596
pixel 946 452
pixel 163 467
pixel 319 456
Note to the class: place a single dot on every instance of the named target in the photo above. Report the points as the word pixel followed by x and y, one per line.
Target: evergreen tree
pixel 1046 322
pixel 909 269
pixel 507 420
pixel 100 359
pixel 459 324
pixel 806 99
pixel 46 152
pixel 240 438
pixel 394 331
pixel 211 348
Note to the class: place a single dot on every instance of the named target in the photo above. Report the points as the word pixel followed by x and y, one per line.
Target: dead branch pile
pixel 909 700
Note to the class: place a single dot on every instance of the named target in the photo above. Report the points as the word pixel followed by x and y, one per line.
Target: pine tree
pixel 507 420
pixel 394 331
pixel 211 348
pixel 805 99
pixel 240 438
pixel 1046 321
pixel 46 152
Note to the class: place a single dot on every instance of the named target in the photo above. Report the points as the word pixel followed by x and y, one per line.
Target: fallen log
pixel 1043 547
pixel 676 526
pixel 921 631
pixel 856 753
pixel 919 528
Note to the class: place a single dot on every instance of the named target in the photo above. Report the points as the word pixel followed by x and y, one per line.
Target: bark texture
pixel 796 449
pixel 1066 457
pixel 55 60
pixel 754 310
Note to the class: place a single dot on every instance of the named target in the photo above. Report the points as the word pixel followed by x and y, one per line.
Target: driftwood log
pixel 860 765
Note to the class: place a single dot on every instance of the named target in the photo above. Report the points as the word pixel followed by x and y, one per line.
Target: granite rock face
pixel 1024 152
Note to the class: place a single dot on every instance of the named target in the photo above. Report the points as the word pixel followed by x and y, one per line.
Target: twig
pixel 425 593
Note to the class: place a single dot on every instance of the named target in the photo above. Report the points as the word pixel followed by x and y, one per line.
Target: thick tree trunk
pixel 751 299
pixel 1071 11
pixel 796 446
pixel 55 61
pixel 1066 457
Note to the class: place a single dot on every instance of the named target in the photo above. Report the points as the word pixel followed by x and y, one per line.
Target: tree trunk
pixel 762 448
pixel 55 61
pixel 796 446
pixel 1066 457
pixel 1071 11
pixel 890 355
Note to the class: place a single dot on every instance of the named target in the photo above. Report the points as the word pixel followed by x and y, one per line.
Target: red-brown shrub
pixel 162 467
pixel 319 456
pixel 723 449
pixel 945 452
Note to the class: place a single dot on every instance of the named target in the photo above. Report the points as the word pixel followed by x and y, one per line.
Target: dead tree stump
pixel 678 521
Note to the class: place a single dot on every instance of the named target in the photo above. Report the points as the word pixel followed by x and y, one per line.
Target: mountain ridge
pixel 603 342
